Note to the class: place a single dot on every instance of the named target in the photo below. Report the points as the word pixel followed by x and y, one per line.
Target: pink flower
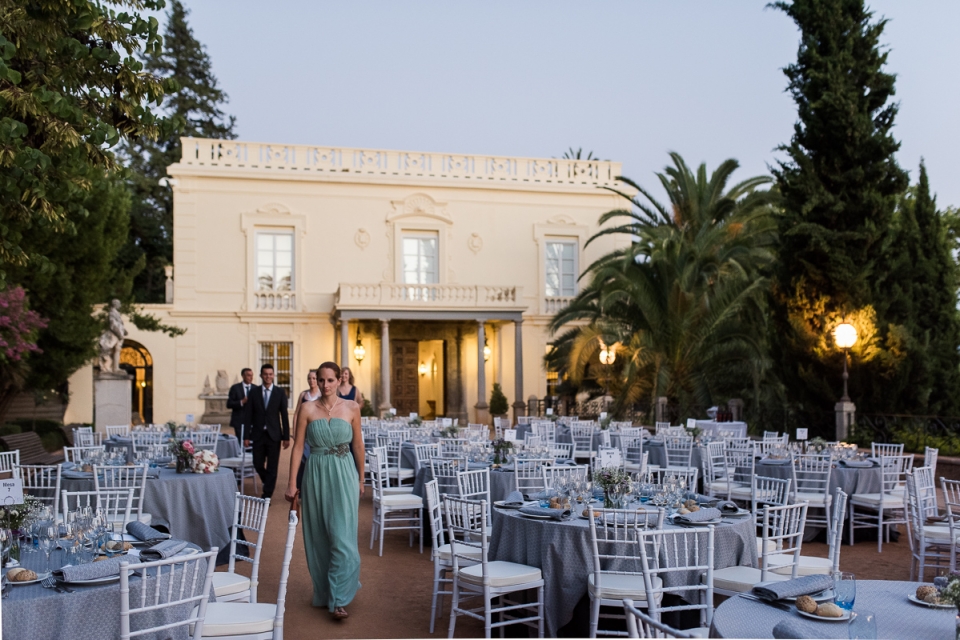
pixel 188 446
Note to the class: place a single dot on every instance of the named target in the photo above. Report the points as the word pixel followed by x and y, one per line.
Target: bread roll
pixel 925 590
pixel 19 574
pixel 806 604
pixel 829 610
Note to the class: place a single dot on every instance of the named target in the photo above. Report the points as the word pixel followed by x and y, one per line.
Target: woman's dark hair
pixel 332 366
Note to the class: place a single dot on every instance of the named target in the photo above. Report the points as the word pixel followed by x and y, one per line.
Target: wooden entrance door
pixel 404 383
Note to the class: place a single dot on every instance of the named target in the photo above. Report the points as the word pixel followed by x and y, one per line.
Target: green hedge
pixel 50 431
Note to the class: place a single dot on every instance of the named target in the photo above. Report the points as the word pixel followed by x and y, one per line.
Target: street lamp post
pixel 845 335
pixel 608 355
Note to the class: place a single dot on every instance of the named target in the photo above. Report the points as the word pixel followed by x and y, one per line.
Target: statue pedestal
pixel 215 410
pixel 111 399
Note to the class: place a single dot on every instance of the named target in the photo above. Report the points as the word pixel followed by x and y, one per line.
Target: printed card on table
pixel 801 434
pixel 11 491
pixel 609 458
pixel 691 423
pixel 510 435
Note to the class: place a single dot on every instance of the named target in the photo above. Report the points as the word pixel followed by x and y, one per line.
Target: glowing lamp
pixel 845 335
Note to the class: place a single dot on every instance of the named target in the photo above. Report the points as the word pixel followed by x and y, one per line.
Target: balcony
pixel 274 301
pixel 396 165
pixel 427 296
pixel 553 304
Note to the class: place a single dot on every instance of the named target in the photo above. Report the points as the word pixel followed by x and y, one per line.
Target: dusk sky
pixel 629 81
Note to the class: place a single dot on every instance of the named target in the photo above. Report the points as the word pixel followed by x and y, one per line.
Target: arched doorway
pixel 137 361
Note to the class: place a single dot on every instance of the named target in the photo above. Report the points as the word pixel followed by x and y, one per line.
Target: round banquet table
pixel 851 480
pixel 897 617
pixel 89 613
pixel 658 454
pixel 562 550
pixel 198 507
pixel 501 482
pixel 227 446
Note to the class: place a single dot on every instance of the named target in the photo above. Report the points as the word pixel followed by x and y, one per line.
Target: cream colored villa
pixel 431 275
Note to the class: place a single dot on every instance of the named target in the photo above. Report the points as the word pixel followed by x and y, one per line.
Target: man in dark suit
pixel 239 404
pixel 271 428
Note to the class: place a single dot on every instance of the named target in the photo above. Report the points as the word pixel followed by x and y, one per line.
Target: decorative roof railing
pixel 379 163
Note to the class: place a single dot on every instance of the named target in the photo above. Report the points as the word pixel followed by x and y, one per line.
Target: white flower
pixel 205 461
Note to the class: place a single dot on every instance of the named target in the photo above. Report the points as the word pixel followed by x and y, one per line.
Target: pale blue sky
pixel 628 80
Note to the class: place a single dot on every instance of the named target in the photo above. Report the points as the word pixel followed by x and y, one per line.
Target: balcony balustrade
pixel 448 296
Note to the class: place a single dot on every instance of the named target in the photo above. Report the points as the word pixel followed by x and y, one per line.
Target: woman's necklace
pixel 328 409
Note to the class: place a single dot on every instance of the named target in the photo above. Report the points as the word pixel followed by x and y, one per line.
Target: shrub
pixel 498 401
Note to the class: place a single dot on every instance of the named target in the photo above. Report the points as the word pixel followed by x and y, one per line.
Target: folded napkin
pixel 91 570
pixel 514 498
pixel 556 514
pixel 696 517
pixel 699 497
pixel 163 550
pixel 857 464
pixel 142 531
pixel 728 507
pixel 792 628
pixel 792 588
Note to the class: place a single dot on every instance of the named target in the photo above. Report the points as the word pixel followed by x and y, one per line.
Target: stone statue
pixel 111 340
pixel 223 382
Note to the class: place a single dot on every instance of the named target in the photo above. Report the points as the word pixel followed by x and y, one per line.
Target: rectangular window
pixel 280 355
pixel 421 264
pixel 275 261
pixel 561 268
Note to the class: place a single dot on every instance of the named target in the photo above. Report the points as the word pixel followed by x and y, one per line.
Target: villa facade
pixel 431 275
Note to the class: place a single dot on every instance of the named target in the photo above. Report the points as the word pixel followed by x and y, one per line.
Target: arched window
pixel 137 361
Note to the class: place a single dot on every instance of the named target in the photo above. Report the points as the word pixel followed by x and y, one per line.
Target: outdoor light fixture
pixel 358 351
pixel 845 335
pixel 486 349
pixel 422 368
pixel 608 355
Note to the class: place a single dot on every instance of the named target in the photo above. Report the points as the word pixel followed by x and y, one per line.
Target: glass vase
pixel 181 465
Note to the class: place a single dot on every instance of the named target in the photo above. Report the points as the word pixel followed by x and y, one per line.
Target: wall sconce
pixel 143 384
pixel 358 351
pixel 433 368
pixel 422 368
pixel 486 349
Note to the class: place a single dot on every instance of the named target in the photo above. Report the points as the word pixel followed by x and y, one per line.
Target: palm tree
pixel 685 301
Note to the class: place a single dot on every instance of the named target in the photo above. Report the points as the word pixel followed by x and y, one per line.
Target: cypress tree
pixel 196 108
pixel 840 188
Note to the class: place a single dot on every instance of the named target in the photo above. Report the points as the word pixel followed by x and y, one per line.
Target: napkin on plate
pixel 696 517
pixel 793 628
pixel 163 550
pixel 142 531
pixel 857 464
pixel 792 588
pixel 728 507
pixel 556 514
pixel 91 570
pixel 699 497
pixel 514 498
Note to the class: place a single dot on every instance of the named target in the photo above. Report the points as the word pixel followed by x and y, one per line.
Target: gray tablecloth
pixel 850 480
pixel 562 551
pixel 896 616
pixel 227 446
pixel 89 613
pixel 501 483
pixel 198 507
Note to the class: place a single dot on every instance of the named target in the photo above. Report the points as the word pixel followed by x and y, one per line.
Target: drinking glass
pixel 863 627
pixel 48 542
pixel 6 540
pixel 845 589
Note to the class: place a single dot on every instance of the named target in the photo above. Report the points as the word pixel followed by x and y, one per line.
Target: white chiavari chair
pixel 488 580
pixel 930 455
pixel 115 503
pixel 452 447
pixel 180 581
pixel 880 449
pixel 660 428
pixel 242 465
pixel 118 430
pixel 930 541
pixel 43 483
pixel 951 501
pixel 133 477
pixel 249 518
pixel 75 454
pixel 254 620
pixel 142 440
pixel 10 463
pixel 474 485
pixel 688 476
pixel 813 565
pixel 811 484
pixel 582 438
pixel 423 453
pixel 555 475
pixel 882 510
pixel 392 512
pixel 445 472
pixel 640 625
pixel 716 481
pixel 209 427
pixel 679 450
pixel 398 473
pixel 561 450
pixel 528 475
pixel 204 440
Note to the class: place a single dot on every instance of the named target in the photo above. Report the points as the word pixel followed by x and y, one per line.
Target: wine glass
pixel 48 542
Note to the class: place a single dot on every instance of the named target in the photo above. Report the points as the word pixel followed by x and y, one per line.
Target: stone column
pixel 846 413
pixel 661 412
pixel 518 404
pixel 483 413
pixel 736 409
pixel 344 342
pixel 384 365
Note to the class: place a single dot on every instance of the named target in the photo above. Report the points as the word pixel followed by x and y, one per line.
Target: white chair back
pixel 292 521
pixel 144 439
pixel 836 532
pixel 204 440
pixel 930 455
pixel 445 472
pixel 85 437
pixel 435 512
pixel 528 474
pixel 687 476
pixel 879 449
pixel 423 452
pixel 783 536
pixel 181 584
pixel 43 482
pixel 209 427
pixel 118 430
pixel 75 454
pixel 768 492
pixel 679 451
pixel 554 475
pixel 249 516
pixel 474 485
pixel 10 463
pixel 561 450
pixel 133 478
pixel 640 625
pixel 115 503
pixel 665 553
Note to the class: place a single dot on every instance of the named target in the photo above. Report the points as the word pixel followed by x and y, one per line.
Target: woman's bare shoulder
pixel 310 409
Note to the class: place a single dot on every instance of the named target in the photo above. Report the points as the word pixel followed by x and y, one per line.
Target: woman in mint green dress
pixel 331 490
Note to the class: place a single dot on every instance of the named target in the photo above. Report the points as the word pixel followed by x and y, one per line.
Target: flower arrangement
pixel 615 483
pixel 501 448
pixel 605 423
pixel 205 461
pixel 13 516
pixel 450 432
pixel 182 451
pixel 415 422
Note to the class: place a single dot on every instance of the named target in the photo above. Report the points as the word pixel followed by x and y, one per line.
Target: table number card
pixel 801 434
pixel 11 491
pixel 190 419
pixel 549 412
pixel 413 416
pixel 393 411
pixel 691 423
pixel 609 458
pixel 510 435
pixel 603 415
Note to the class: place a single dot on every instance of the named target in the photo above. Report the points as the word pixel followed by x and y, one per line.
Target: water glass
pixel 863 626
pixel 845 589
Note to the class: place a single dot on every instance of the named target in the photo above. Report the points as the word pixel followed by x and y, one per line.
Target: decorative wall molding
pixel 362 238
pixel 419 204
pixel 475 242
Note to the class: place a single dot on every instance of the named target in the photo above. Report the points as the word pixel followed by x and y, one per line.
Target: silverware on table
pixel 772 603
pixel 51 583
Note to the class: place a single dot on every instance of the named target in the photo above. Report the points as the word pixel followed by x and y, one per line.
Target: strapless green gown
pixel 330 502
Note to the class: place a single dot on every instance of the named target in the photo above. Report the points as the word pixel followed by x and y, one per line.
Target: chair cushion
pixel 874 499
pixel 812 497
pixel 445 552
pixel 937 532
pixel 616 586
pixel 237 618
pixel 233 462
pixel 388 491
pixel 809 565
pixel 401 500
pixel 742 493
pixel 403 473
pixel 501 574
pixel 770 545
pixel 740 579
pixel 226 583
pixel 720 486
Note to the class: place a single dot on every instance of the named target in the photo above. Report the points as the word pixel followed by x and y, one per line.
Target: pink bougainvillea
pixel 18 325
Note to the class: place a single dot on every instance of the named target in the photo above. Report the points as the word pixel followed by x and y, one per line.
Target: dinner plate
pixel 94 581
pixel 40 576
pixel 681 523
pixel 915 600
pixel 536 516
pixel 846 617
pixel 512 505
pixel 739 514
